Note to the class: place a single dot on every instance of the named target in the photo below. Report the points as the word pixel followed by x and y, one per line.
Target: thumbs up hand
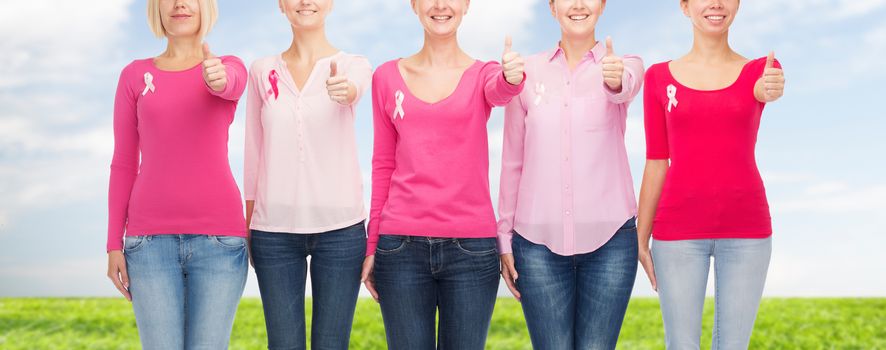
pixel 772 82
pixel 512 64
pixel 613 68
pixel 214 73
pixel 340 89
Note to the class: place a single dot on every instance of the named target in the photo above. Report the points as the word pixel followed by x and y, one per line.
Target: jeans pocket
pixel 229 242
pixel 133 243
pixel 390 244
pixel 476 246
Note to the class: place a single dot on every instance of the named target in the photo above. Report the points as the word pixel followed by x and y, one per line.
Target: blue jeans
pixel 417 276
pixel 185 288
pixel 681 269
pixel 281 268
pixel 576 302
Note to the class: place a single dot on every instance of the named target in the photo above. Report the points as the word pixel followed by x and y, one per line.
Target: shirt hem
pixel 306 230
pixel 710 235
pixel 425 230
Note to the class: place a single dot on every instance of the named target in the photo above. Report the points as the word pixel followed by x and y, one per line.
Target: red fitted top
pixel 713 188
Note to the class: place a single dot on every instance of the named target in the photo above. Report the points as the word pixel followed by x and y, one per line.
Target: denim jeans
pixel 185 288
pixel 681 269
pixel 576 302
pixel 281 268
pixel 418 276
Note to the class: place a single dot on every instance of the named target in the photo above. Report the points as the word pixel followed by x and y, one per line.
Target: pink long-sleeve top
pixel 430 165
pixel 170 172
pixel 301 150
pixel 565 178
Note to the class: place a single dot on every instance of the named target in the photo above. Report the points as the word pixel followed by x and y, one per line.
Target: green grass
pixel 781 324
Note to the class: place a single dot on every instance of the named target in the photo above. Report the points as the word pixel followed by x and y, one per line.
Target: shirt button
pixel 568 213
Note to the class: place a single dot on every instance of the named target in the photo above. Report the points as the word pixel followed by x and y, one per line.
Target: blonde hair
pixel 208 16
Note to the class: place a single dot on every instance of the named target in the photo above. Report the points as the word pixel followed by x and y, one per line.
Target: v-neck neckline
pixel 453 93
pixel 290 80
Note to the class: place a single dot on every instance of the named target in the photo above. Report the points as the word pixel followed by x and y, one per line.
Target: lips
pixel 579 17
pixel 181 16
pixel 441 19
pixel 306 12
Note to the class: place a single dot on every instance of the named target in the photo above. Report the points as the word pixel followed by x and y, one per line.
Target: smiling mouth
pixel 181 16
pixel 715 18
pixel 578 18
pixel 441 19
pixel 306 12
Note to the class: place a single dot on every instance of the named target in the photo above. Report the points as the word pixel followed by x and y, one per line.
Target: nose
pixel 579 5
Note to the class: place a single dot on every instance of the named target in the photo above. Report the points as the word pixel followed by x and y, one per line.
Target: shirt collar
pixel 597 52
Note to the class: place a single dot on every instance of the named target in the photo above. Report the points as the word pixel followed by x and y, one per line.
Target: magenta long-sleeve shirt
pixel 430 165
pixel 170 172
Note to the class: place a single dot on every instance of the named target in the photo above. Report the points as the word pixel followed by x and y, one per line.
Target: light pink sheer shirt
pixel 301 150
pixel 565 179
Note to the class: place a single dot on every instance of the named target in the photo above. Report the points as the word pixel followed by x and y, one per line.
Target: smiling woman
pixel 702 196
pixel 430 186
pixel 302 181
pixel 176 232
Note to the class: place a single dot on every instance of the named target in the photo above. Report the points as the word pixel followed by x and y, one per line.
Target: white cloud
pixel 57 42
pixel 53 138
pixel 488 22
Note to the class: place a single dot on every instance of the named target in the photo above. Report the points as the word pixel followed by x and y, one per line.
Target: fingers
pixel 249 253
pixel 120 277
pixel 509 273
pixel 512 64
pixel 214 72
pixel 366 276
pixel 649 268
pixel 206 53
pixel 609 50
pixel 338 89
pixel 773 80
pixel 333 69
pixel 612 68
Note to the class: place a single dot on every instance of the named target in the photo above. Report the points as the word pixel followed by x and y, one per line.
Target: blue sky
pixel 819 147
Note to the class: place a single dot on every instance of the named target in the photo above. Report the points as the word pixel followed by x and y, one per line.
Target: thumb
pixel 508 43
pixel 333 69
pixel 770 61
pixel 206 53
pixel 609 50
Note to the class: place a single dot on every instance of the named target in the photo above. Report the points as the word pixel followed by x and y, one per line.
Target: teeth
pixel 578 18
pixel 716 18
pixel 306 12
pixel 441 18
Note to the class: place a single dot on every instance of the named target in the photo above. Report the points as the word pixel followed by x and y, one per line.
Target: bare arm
pixel 650 192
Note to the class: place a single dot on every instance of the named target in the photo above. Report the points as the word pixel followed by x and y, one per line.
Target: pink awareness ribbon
pixel 273 78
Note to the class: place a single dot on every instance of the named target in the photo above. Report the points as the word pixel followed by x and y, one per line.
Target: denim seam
pixel 717 311
pixel 403 243
pixel 473 253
